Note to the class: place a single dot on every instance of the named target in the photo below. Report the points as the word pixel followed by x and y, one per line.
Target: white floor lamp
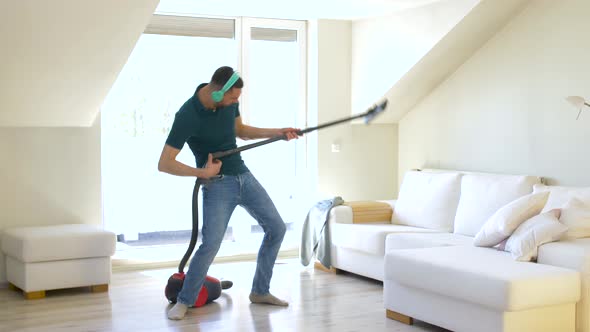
pixel 578 102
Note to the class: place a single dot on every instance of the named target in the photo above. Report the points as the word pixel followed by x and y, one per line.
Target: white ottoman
pixel 58 256
pixel 466 288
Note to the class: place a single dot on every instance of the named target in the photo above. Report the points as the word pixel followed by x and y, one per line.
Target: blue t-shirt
pixel 206 132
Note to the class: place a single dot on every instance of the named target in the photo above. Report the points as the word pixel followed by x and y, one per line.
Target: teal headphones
pixel 218 95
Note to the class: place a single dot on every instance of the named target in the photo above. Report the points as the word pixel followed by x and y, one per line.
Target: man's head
pixel 219 80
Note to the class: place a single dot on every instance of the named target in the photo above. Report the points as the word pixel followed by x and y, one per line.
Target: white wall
pixel 60 58
pixel 366 166
pixel 363 59
pixel 49 176
pixel 504 111
pixel 58 61
pixel 385 48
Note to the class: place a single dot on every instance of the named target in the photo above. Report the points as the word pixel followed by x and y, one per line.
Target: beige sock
pixel 267 299
pixel 178 311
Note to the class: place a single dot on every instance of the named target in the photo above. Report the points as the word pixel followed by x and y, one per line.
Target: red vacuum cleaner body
pixel 210 291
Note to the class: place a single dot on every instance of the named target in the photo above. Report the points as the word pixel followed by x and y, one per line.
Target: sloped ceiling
pixel 60 58
pixel 459 44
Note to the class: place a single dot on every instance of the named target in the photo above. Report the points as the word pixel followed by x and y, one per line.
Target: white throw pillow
pixel 576 216
pixel 561 195
pixel 502 223
pixel 428 200
pixel 523 244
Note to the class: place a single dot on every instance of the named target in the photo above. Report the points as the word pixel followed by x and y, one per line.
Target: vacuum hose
pixel 195 232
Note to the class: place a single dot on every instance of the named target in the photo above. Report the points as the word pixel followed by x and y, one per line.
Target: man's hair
pixel 222 75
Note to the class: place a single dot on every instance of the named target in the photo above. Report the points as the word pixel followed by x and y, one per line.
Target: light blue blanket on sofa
pixel 315 238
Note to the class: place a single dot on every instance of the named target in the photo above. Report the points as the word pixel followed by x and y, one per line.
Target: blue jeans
pixel 220 197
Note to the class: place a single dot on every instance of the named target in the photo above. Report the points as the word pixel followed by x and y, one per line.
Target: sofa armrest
pixel 573 254
pixel 341 214
pixel 363 212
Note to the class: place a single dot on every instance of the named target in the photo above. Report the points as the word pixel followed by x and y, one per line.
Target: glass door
pixel 274 96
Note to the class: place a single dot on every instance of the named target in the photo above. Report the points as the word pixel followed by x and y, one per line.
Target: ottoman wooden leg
pixel 100 288
pixel 319 266
pixel 399 317
pixel 34 295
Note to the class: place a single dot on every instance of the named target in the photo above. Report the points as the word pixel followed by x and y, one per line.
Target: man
pixel 209 122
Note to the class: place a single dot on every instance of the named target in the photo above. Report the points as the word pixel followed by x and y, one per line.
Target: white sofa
pixel 425 256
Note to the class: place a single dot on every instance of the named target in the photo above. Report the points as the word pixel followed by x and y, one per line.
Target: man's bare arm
pixel 169 164
pixel 246 132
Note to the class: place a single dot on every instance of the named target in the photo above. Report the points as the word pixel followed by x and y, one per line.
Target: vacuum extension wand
pixel 368 115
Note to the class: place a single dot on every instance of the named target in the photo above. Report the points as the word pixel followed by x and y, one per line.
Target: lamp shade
pixel 577 101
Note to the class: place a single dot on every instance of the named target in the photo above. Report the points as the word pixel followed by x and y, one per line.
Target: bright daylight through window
pixel 151 211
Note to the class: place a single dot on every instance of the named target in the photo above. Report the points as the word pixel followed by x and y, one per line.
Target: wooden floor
pixel 319 301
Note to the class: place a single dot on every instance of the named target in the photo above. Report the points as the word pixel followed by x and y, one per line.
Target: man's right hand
pixel 212 167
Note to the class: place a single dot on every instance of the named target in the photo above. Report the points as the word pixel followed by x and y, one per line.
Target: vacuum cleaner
pixel 213 287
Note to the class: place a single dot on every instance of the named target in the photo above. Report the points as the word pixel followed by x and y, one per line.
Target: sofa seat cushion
pixel 483 276
pixel 57 242
pixel 572 254
pixel 425 240
pixel 369 238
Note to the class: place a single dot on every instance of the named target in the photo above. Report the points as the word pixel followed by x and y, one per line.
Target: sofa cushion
pixel 576 216
pixel 483 194
pixel 57 242
pixel 572 254
pixel 369 238
pixel 507 219
pixel 428 200
pixel 425 240
pixel 560 195
pixel 484 276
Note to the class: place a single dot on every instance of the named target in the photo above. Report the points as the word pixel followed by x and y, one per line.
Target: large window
pixel 175 54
